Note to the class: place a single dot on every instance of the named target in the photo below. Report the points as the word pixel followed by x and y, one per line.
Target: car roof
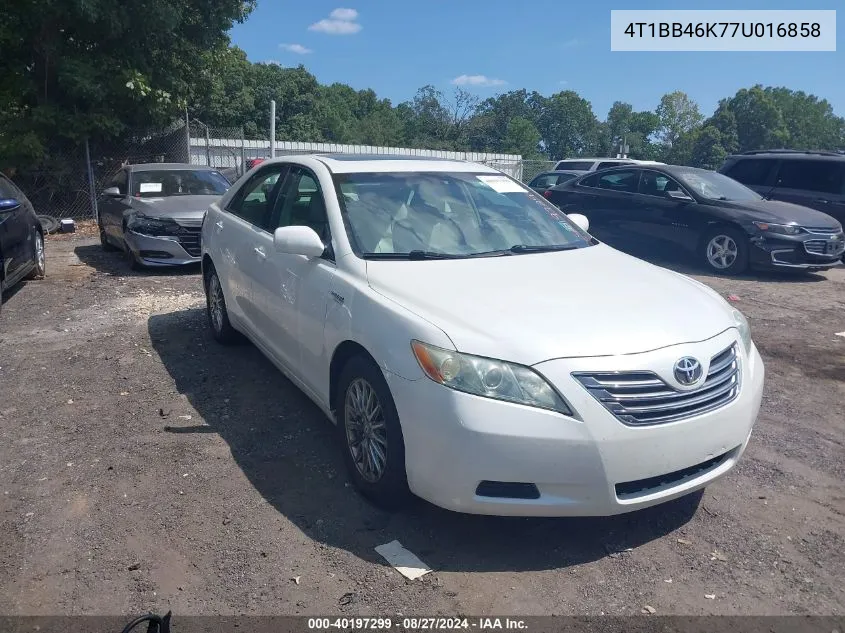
pixel 792 154
pixel 607 159
pixel 671 170
pixel 374 163
pixel 576 172
pixel 169 167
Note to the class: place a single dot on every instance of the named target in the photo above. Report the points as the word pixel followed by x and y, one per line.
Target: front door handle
pixel 219 226
pixel 260 252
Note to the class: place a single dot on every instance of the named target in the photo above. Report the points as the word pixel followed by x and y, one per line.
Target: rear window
pixel 750 171
pixel 577 165
pixel 823 176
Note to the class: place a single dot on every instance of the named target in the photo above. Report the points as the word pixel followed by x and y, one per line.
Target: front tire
pixel 104 240
pixel 218 315
pixel 39 256
pixel 370 433
pixel 725 251
pixel 133 262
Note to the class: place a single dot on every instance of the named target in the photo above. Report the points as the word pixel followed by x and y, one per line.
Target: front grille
pixel 189 239
pixel 824 247
pixel 642 398
pixel 641 487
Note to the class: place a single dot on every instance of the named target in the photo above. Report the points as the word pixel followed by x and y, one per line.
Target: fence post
pixel 273 129
pixel 187 137
pixel 91 186
pixel 207 147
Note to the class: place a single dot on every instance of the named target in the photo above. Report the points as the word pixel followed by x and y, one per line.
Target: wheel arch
pixel 345 351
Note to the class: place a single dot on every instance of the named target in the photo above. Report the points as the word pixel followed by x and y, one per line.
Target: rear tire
pixel 371 435
pixel 218 315
pixel 724 250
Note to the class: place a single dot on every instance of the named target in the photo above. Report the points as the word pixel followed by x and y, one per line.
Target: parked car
pixel 811 179
pixel 727 225
pixel 153 212
pixel 21 238
pixel 594 164
pixel 548 179
pixel 474 345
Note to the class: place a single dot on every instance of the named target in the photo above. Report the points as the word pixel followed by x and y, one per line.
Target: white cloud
pixel 480 81
pixel 339 22
pixel 299 49
pixel 346 15
pixel 275 62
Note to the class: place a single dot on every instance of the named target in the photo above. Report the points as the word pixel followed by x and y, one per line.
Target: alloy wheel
pixel 366 432
pixel 215 303
pixel 722 252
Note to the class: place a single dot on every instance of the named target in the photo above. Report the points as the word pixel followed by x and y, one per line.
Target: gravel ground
pixel 144 467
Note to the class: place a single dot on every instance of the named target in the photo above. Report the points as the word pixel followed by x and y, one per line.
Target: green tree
pixel 80 68
pixel 678 114
pixel 522 137
pixel 759 122
pixel 809 121
pixel 568 126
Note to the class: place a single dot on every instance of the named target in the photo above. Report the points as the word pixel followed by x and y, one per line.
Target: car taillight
pixel 547 194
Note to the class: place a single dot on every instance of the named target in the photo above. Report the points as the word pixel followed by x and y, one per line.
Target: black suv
pixel 811 179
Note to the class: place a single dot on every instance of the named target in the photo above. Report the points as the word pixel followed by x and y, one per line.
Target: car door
pixel 664 219
pixel 295 290
pixel 241 231
pixel 611 205
pixel 15 230
pixel 111 208
pixel 815 183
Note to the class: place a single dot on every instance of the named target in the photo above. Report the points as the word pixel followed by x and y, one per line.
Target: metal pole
pixel 272 129
pixel 187 137
pixel 91 186
pixel 207 147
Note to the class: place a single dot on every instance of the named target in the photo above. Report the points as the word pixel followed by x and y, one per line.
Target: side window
pixel 822 176
pixel 254 201
pixel 590 181
pixel 653 183
pixel 545 180
pixel 751 171
pixel 7 190
pixel 120 181
pixel 303 204
pixel 576 165
pixel 621 181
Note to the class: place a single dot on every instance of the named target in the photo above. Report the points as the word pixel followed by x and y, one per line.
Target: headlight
pixel 488 378
pixel 744 330
pixel 783 229
pixel 154 227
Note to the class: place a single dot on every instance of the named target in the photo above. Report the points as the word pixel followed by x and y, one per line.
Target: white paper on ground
pixel 840 334
pixel 405 562
pixel 501 184
pixel 150 187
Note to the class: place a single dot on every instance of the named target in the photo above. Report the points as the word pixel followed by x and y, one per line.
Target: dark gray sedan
pixel 154 211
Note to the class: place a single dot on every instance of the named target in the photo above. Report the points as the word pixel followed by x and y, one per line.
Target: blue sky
pixel 491 46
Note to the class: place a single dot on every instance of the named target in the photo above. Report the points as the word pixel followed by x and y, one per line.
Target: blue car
pixel 21 238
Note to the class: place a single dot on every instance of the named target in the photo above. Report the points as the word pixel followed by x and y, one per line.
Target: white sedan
pixel 474 345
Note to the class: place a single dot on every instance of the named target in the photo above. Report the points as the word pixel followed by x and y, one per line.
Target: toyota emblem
pixel 687 371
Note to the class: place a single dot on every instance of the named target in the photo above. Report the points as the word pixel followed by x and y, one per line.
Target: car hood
pixel 593 301
pixel 776 211
pixel 181 208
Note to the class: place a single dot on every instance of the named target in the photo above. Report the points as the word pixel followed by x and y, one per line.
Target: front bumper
pixel 578 467
pixel 178 250
pixel 806 252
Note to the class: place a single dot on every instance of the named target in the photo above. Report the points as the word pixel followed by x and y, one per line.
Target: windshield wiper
pixel 524 248
pixel 413 255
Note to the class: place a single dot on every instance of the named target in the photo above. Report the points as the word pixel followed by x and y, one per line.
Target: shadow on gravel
pixel 114 263
pixel 682 261
pixel 288 450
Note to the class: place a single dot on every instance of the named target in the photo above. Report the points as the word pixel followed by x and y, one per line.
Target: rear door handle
pixel 260 252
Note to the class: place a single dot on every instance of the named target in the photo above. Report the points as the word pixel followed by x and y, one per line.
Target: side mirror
pixel 679 195
pixel 9 204
pixel 112 192
pixel 581 221
pixel 298 240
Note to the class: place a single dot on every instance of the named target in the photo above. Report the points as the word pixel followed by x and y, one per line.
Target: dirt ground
pixel 144 467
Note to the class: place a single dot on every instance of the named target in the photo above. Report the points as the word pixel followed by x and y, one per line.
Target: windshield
pixel 450 214
pixel 714 186
pixel 181 182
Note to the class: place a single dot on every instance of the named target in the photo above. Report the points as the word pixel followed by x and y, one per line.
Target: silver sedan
pixel 154 211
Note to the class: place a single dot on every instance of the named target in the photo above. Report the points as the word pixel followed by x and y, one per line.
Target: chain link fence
pixel 523 170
